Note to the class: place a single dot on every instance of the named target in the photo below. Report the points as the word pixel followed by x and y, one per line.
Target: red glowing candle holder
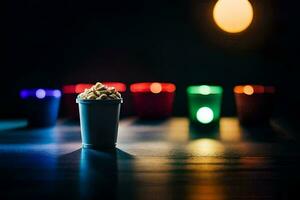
pixel 254 103
pixel 70 93
pixel 153 100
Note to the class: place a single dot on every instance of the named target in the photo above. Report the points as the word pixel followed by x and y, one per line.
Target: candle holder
pixel 254 104
pixel 41 106
pixel 153 100
pixel 204 104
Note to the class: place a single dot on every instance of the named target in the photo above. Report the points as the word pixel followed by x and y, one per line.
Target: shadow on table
pixel 260 134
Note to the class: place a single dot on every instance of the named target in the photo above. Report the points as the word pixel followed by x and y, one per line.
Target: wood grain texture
pixel 153 160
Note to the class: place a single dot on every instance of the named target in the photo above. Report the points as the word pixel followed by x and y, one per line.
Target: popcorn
pixel 100 92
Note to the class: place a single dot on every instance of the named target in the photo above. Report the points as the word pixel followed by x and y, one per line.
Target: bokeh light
pixel 248 89
pixel 205 115
pixel 155 88
pixel 79 88
pixel 206 147
pixel 120 87
pixel 204 89
pixel 40 93
pixel 57 93
pixel 233 16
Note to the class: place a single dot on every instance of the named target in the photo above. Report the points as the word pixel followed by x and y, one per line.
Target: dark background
pixel 51 43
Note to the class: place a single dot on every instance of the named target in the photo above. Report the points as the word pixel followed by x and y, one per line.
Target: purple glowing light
pixel 40 93
pixel 57 93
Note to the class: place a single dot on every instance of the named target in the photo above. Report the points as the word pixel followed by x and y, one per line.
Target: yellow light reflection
pixel 233 16
pixel 154 171
pixel 206 147
pixel 206 178
pixel 230 130
pixel 177 130
pixel 155 88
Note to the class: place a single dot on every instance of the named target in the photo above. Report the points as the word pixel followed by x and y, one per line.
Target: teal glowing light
pixel 205 115
pixel 204 89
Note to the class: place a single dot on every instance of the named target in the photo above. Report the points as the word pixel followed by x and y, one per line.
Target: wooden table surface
pixel 153 160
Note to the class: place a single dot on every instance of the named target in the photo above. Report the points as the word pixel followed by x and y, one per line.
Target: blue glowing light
pixel 24 94
pixel 40 93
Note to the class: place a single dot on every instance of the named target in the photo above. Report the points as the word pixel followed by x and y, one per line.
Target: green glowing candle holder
pixel 204 104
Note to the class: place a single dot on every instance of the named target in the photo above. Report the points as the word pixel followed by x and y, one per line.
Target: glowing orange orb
pixel 233 16
pixel 155 88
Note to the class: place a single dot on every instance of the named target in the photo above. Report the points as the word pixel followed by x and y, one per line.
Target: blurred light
pixel 56 93
pixel 79 88
pixel 204 89
pixel 253 89
pixel 230 130
pixel 120 87
pixel 206 147
pixel 68 89
pixel 155 88
pixel 24 94
pixel 233 16
pixel 76 89
pixel 205 115
pixel 169 87
pixel 248 89
pixel 40 93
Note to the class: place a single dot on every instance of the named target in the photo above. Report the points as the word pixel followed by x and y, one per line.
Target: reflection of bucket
pixel 41 105
pixel 99 120
pixel 98 174
pixel 153 100
pixel 254 104
pixel 204 105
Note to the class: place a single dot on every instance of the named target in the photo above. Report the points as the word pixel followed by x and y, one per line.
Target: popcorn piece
pixel 100 92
